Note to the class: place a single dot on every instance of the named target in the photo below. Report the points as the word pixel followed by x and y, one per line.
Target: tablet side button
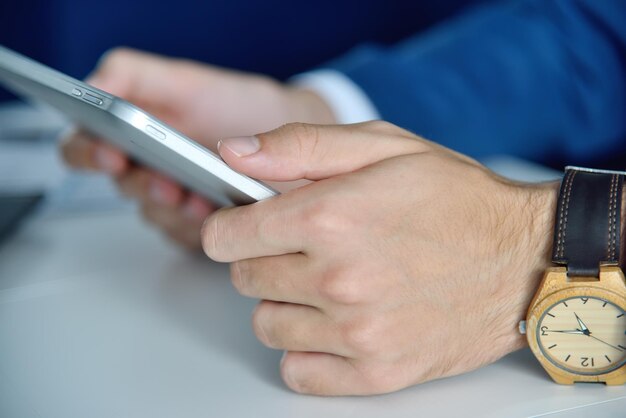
pixel 154 132
pixel 93 99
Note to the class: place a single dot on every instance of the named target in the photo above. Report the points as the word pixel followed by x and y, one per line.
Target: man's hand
pixel 203 102
pixel 402 262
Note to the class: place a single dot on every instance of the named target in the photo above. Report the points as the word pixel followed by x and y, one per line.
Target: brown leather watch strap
pixel 587 228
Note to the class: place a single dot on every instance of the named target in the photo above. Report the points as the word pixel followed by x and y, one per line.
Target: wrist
pixel 532 242
pixel 540 215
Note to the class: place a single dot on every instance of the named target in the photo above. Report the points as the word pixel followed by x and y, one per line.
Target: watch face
pixel 584 335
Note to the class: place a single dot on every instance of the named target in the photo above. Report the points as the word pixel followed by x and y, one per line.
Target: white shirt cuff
pixel 346 99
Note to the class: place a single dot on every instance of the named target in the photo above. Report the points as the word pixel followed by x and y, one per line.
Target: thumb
pixel 314 152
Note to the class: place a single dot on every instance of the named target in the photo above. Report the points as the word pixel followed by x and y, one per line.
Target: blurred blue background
pixel 275 37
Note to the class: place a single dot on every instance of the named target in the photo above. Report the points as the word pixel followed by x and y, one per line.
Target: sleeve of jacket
pixel 534 78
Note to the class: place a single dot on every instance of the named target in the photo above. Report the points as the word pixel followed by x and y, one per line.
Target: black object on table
pixel 13 210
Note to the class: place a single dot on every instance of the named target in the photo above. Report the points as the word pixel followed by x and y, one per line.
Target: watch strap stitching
pixel 587 231
pixel 612 218
pixel 562 230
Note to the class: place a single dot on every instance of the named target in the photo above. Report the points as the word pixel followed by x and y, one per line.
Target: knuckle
pixel 342 288
pixel 364 336
pixel 386 128
pixel 380 126
pixel 306 137
pixel 300 131
pixel 323 219
pixel 379 378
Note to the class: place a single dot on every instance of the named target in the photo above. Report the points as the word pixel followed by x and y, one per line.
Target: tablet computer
pixel 141 135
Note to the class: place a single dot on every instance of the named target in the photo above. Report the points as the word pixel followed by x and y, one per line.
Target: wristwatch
pixel 576 323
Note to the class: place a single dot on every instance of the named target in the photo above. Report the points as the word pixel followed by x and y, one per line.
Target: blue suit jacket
pixel 536 78
pixel 275 37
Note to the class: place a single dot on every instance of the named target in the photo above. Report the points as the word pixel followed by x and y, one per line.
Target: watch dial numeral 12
pixel 587 361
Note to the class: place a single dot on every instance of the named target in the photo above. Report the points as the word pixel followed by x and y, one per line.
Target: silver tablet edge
pixel 139 119
pixel 189 149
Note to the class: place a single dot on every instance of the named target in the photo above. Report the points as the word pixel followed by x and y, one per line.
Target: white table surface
pixel 101 317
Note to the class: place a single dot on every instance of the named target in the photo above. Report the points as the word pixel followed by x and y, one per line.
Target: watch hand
pixel 604 342
pixel 567 331
pixel 583 327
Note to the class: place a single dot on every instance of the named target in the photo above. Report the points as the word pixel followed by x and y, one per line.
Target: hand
pixel 203 102
pixel 402 262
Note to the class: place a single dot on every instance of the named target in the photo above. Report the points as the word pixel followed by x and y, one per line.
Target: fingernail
pixel 106 161
pixel 241 146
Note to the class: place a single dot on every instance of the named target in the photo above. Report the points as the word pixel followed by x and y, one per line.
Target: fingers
pixel 180 222
pixel 145 79
pixel 164 203
pixel 300 151
pixel 134 183
pixel 293 327
pixel 167 206
pixel 288 278
pixel 252 231
pixel 332 375
pixel 128 73
pixel 174 224
pixel 82 151
pixel 148 185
